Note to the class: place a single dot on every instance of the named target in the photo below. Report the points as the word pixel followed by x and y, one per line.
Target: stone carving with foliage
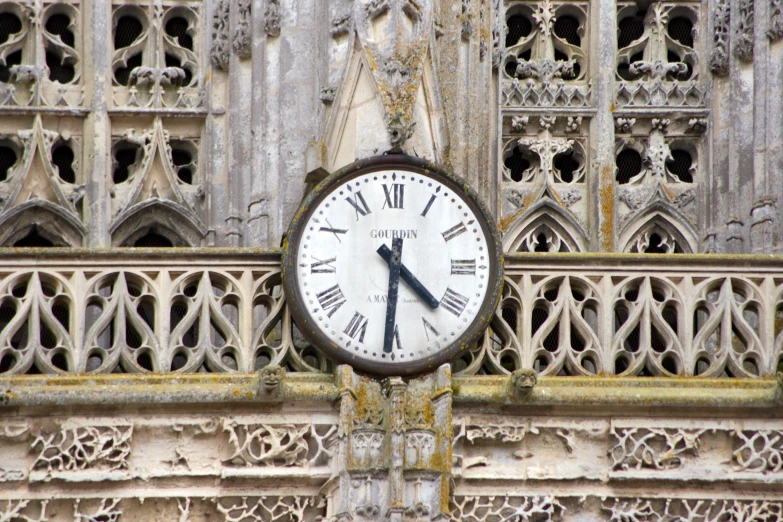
pixel 759 451
pixel 89 447
pixel 655 448
pixel 274 445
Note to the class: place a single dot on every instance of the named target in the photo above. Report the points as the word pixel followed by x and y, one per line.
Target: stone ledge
pixel 35 390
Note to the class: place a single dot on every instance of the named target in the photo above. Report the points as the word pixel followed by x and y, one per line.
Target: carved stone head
pixel 523 381
pixel 271 378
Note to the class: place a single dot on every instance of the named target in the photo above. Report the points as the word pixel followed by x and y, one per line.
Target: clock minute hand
pixel 395 260
pixel 409 278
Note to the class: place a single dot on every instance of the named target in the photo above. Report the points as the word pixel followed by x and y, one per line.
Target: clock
pixel 393 266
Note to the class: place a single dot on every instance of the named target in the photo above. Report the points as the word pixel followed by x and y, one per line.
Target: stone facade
pixel 588 127
pixel 167 384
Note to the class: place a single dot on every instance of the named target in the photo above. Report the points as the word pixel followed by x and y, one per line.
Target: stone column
pixel 603 50
pixel 97 126
pixel 393 454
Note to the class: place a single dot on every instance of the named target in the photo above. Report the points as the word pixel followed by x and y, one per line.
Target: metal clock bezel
pixel 297 305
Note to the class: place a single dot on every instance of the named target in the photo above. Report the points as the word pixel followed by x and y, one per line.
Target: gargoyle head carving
pixel 523 381
pixel 271 378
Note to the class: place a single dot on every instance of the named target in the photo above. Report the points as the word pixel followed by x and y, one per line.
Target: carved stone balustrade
pixel 65 311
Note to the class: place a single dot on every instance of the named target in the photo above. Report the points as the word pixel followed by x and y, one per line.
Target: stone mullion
pixel 688 290
pixel 210 157
pixel 96 153
pixel 272 151
pixel 257 227
pixel 496 206
pixel 246 322
pixel 767 325
pixel 607 318
pixel 526 287
pixel 164 280
pixel 478 128
pixel 602 187
pixel 239 150
pixel 774 141
pixel 741 156
pixel 717 201
pixel 79 284
pixel 759 227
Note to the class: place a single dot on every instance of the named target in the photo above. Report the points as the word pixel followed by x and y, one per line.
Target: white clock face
pixel 345 261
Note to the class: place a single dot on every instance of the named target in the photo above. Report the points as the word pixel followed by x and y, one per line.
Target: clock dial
pixel 392 268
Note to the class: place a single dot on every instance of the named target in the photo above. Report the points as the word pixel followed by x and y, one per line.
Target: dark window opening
pixel 631 29
pixel 153 239
pixel 509 315
pixel 59 361
pixel 178 361
pixel 680 166
pixel 59 69
pixel 12 59
pixel 7 161
pixel 629 164
pixel 59 25
pixel 566 165
pixel 181 158
pixel 539 316
pixel 624 69
pixel 33 240
pixel 128 30
pixel 122 74
pixel 62 157
pixel 125 158
pixel 657 246
pixel 173 61
pixel 541 245
pixel 567 28
pixel 519 26
pixel 681 30
pixel 9 24
pixel 145 361
pixel 177 28
pixel 517 164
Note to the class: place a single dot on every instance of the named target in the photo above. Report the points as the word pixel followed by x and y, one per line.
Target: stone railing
pixel 183 310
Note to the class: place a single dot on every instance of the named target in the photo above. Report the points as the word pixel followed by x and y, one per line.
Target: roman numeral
pixel 358 325
pixel 463 267
pixel 333 230
pixel 359 204
pixel 454 231
pixel 454 302
pixel 324 266
pixel 331 300
pixel 394 196
pixel 397 339
pixel 429 328
pixel 429 204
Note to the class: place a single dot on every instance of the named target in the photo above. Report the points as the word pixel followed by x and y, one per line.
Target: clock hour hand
pixel 409 278
pixel 395 260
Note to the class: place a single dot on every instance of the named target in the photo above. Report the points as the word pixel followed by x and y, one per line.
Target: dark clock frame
pixel 296 301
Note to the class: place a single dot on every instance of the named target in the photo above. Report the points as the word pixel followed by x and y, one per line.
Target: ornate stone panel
pixel 234 318
pixel 156 62
pixel 544 55
pixel 41 55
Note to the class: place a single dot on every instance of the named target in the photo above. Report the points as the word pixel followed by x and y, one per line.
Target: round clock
pixel 392 265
